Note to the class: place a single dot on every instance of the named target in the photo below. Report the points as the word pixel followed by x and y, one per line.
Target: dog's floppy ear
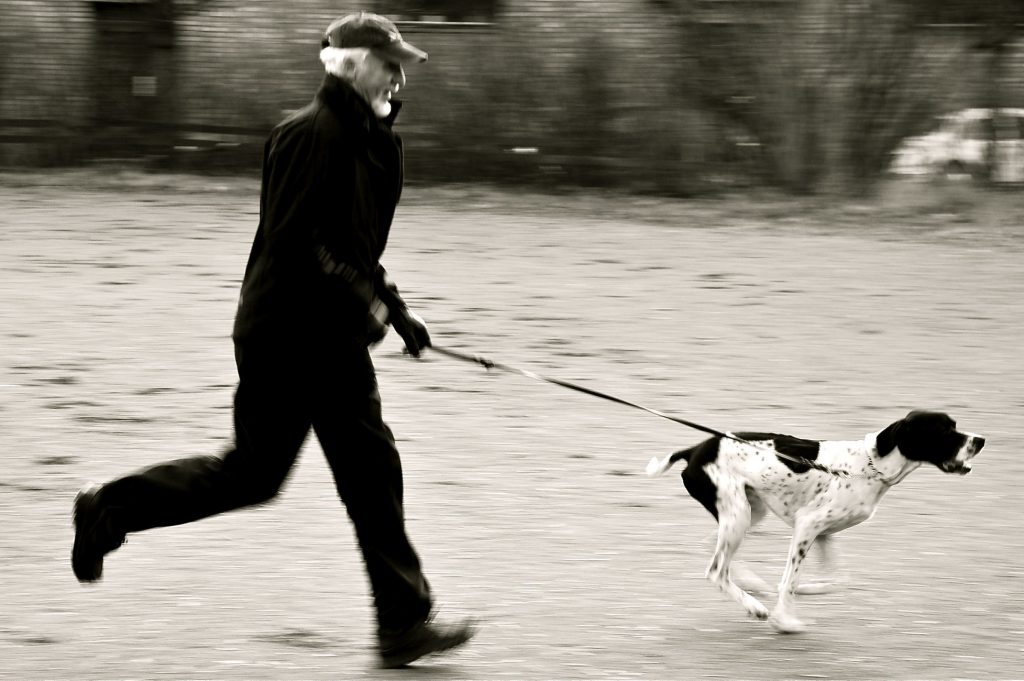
pixel 887 438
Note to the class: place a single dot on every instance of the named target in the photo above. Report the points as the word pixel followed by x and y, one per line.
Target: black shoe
pixel 93 536
pixel 401 648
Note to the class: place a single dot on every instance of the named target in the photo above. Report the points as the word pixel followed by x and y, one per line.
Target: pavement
pixel 528 503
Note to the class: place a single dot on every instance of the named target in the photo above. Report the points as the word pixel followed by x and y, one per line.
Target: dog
pixel 816 487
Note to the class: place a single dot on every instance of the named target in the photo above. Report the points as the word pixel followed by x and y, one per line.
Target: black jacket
pixel 332 177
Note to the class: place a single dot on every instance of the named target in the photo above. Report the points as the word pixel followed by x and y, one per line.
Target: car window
pixel 1009 126
pixel 979 129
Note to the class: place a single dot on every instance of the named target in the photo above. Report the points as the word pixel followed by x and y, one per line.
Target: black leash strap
pixel 489 364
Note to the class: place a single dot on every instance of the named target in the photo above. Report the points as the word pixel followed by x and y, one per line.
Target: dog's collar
pixel 888 480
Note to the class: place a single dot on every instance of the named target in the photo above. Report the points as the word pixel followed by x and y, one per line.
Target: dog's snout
pixel 979 442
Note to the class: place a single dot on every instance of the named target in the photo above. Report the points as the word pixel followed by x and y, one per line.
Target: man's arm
pixel 337 238
pixel 409 325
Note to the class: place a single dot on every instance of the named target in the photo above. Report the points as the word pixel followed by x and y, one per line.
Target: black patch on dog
pixel 701 488
pixel 926 436
pixel 886 441
pixel 699 454
pixel 696 481
pixel 790 446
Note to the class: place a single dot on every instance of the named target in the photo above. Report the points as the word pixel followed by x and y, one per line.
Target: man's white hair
pixel 343 61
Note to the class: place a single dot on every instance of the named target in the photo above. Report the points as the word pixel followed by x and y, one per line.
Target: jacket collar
pixel 349 106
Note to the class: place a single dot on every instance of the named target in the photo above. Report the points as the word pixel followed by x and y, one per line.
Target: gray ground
pixel 527 502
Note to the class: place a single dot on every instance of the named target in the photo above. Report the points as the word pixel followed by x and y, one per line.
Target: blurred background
pixel 674 97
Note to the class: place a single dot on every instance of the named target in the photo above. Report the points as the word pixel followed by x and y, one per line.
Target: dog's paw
pixel 755 608
pixel 654 467
pixel 784 623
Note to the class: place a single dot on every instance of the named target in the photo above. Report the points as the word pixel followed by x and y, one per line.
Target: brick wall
pixel 543 72
pixel 537 74
pixel 45 51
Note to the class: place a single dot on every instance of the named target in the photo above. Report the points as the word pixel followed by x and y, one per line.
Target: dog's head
pixel 931 437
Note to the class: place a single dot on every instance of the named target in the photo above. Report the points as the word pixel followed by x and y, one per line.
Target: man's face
pixel 378 79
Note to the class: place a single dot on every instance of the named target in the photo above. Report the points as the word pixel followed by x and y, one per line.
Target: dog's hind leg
pixel 734 516
pixel 744 577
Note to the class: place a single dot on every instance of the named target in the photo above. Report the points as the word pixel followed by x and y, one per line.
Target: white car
pixel 960 146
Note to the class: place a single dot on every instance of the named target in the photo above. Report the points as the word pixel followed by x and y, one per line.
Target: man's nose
pixel 399 76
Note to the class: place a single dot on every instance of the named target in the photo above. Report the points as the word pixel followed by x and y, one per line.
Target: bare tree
pixel 827 87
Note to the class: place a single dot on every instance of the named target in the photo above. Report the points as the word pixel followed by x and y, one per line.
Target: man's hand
pixel 412 329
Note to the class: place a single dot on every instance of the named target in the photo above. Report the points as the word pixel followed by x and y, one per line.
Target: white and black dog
pixel 817 487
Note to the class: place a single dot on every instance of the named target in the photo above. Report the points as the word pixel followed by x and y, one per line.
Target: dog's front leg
pixel 783 617
pixel 830 579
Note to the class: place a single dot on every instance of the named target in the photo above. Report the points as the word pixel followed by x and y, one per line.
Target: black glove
pixel 412 329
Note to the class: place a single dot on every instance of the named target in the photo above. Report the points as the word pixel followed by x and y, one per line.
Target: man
pixel 332 177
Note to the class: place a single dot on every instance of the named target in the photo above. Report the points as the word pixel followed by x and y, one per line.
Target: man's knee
pixel 253 484
pixel 260 490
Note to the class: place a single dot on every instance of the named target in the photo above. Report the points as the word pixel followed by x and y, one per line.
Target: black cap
pixel 365 29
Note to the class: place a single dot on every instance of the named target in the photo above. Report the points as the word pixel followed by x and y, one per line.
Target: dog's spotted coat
pixel 739 480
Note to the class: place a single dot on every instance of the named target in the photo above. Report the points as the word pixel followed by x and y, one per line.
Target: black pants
pixel 282 393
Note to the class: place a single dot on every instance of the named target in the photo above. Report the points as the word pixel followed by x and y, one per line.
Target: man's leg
pixel 361 452
pixel 271 422
pixel 364 460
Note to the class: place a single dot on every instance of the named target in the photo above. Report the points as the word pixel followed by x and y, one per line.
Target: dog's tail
pixel 656 467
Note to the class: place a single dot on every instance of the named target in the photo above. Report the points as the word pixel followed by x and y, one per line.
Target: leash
pixel 490 364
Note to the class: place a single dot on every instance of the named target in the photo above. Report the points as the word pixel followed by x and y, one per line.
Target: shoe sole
pixel 408 657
